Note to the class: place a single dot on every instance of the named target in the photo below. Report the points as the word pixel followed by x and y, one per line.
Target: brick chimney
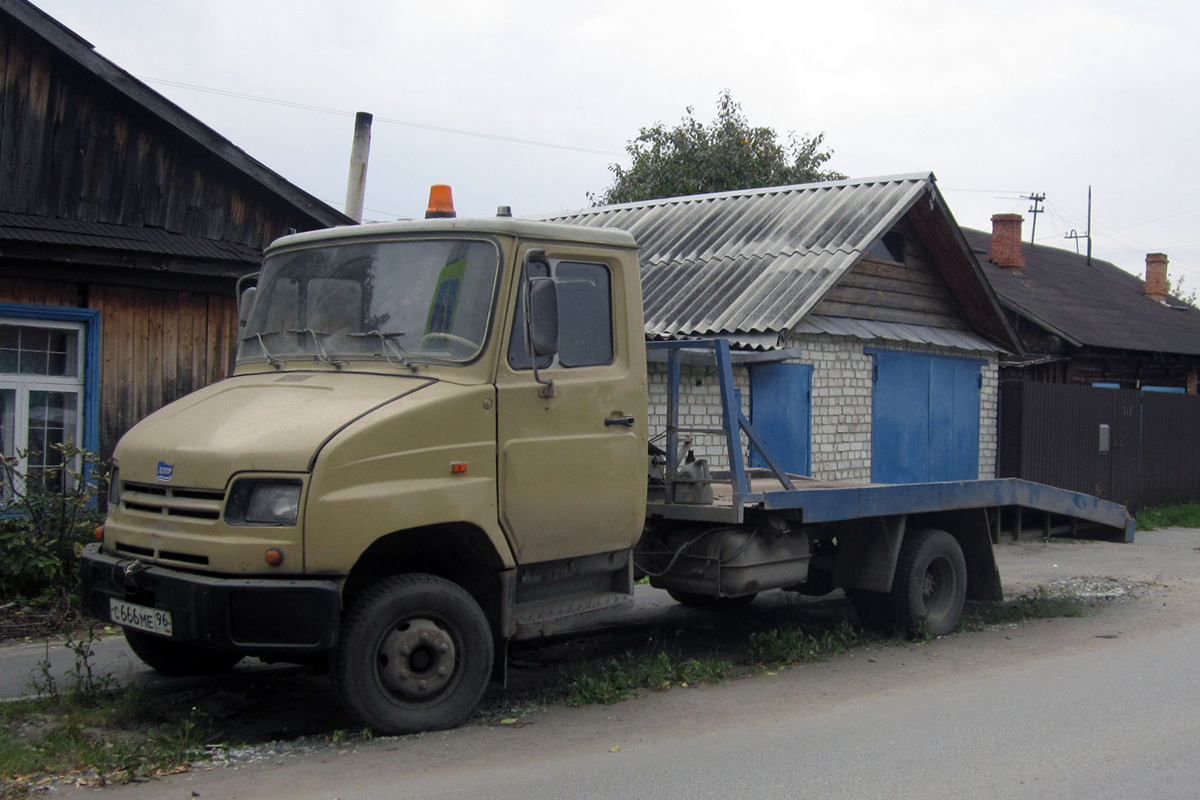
pixel 1156 277
pixel 1006 242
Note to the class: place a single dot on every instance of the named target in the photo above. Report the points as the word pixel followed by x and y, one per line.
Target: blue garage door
pixel 780 401
pixel 925 419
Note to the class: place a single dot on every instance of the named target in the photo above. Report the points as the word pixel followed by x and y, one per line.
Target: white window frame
pixel 24 384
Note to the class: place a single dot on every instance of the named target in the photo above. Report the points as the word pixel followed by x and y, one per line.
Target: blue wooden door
pixel 925 418
pixel 780 408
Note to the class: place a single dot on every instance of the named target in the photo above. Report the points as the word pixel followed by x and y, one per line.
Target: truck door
pixel 573 465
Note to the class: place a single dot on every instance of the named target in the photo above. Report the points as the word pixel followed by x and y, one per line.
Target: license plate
pixel 144 618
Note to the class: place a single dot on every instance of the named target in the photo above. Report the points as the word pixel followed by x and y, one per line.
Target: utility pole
pixel 1037 200
pixel 1086 234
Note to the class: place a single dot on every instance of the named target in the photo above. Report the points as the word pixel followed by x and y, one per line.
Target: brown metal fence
pixel 1136 448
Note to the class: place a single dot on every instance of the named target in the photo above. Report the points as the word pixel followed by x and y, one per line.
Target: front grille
pixel 162 555
pixel 199 504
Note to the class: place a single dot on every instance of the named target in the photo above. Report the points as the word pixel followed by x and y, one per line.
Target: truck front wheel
pixel 168 657
pixel 930 585
pixel 415 655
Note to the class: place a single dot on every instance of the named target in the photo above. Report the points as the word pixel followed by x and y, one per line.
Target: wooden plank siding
pixel 155 345
pixel 74 148
pixel 912 293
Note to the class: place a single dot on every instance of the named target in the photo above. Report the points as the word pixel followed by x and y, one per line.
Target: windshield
pixel 397 300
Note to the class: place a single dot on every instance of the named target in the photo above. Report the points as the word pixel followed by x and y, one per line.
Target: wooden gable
pixel 882 290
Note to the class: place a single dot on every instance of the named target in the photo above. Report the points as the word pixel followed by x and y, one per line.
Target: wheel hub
pixel 416 659
pixel 935 587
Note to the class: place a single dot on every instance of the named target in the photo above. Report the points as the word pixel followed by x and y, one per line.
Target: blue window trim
pixel 91 358
pixel 1165 389
pixel 1102 385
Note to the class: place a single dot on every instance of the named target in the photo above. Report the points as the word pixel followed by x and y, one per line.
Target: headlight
pixel 114 487
pixel 263 502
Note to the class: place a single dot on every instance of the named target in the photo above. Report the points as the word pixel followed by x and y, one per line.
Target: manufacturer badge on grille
pixel 165 472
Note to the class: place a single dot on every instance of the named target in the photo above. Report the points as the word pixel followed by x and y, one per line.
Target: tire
pixel 930 584
pixel 177 659
pixel 710 603
pixel 415 655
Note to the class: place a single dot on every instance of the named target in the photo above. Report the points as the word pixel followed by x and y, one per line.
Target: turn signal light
pixel 458 467
pixel 99 532
pixel 441 202
pixel 274 557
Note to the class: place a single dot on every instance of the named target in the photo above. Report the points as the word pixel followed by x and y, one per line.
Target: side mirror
pixel 245 305
pixel 543 317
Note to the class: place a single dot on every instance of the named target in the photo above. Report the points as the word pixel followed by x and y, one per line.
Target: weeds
pixel 92 744
pixel 1042 603
pixel 795 645
pixel 82 685
pixel 1181 515
pixel 45 519
pixel 628 674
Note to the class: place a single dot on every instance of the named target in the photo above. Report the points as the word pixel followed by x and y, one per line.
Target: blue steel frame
pixel 733 421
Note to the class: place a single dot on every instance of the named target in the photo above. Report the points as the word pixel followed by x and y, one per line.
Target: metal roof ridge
pixel 762 191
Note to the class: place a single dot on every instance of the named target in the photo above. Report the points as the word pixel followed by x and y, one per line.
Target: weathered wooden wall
pixel 72 147
pixel 155 345
pixel 913 293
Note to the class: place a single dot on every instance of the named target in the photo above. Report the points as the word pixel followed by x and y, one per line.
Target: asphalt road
pixel 1118 723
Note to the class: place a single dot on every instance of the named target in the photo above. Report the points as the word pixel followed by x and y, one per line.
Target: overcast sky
pixel 999 100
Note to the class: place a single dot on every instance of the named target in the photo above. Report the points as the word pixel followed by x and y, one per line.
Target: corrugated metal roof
pixel 896 332
pixel 753 261
pixel 47 230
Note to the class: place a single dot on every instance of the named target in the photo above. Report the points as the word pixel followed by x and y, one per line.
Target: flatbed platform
pixel 817 501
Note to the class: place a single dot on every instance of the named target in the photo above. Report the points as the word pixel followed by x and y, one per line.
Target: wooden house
pixel 867 339
pixel 124 226
pixel 1085 321
pixel 1104 399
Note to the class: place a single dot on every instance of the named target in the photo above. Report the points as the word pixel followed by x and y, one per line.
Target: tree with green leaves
pixel 1180 291
pixel 727 154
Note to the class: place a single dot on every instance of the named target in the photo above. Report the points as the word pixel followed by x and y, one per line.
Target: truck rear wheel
pixel 930 585
pixel 168 657
pixel 415 655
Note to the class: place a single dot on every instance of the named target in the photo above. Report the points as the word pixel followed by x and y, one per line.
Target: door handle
pixel 624 421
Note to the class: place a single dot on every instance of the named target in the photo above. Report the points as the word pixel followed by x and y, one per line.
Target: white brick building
pixel 865 337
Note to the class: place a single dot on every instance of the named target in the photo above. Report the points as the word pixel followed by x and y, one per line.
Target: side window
pixel 585 328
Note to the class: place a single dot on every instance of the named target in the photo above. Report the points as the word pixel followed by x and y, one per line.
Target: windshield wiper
pixel 321 354
pixel 388 338
pixel 277 363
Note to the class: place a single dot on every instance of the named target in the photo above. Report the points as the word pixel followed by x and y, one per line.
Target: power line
pixel 387 120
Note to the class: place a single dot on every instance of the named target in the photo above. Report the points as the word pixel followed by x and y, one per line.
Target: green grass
pixel 1042 603
pixel 793 644
pixel 115 738
pixel 1180 515
pixel 630 673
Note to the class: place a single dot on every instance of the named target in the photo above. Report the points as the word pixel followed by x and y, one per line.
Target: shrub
pixel 45 519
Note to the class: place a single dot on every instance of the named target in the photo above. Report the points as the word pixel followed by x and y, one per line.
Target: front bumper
pixel 268 616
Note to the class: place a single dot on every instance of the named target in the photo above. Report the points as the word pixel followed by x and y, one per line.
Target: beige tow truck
pixel 435 441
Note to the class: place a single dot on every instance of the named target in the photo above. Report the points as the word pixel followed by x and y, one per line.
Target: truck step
pixel 559 615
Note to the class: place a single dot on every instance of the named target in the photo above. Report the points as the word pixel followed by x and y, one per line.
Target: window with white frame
pixel 42 380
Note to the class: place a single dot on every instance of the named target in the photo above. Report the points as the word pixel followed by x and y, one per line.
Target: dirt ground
pixel 295 729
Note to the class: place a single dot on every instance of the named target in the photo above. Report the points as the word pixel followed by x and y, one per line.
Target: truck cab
pixel 434 440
